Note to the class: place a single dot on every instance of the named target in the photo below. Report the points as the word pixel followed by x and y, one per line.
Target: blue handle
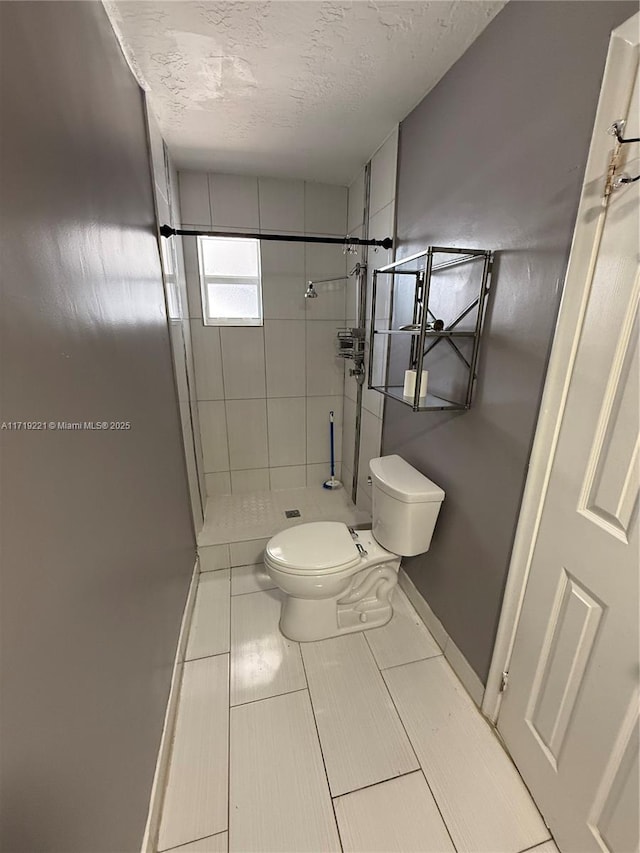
pixel 333 464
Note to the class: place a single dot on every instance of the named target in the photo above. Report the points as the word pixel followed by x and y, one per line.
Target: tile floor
pixel 365 742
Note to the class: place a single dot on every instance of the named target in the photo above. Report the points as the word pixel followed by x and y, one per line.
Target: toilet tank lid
pixel 402 481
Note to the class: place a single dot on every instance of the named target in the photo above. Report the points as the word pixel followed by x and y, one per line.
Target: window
pixel 230 281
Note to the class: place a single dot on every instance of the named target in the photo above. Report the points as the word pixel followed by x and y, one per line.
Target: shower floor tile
pixel 257 515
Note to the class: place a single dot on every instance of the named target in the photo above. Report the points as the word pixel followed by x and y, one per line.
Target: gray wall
pixel 494 157
pixel 97 542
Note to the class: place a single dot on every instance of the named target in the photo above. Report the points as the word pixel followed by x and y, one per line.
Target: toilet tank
pixel 405 506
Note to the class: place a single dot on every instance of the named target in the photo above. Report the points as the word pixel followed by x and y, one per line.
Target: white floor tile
pixel 547 847
pixel 212 844
pixel 209 634
pixel 250 579
pixel 263 662
pixel 402 640
pixel 245 553
pixel 195 803
pixel 484 802
pixel 399 816
pixel 279 801
pixel 362 738
pixel 213 557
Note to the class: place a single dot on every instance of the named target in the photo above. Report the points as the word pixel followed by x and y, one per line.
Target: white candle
pixel 410 384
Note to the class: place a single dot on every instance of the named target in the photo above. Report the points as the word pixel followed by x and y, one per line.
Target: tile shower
pixel 264 393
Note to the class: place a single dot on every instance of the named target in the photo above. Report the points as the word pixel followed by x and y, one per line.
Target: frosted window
pixel 233 301
pixel 230 277
pixel 230 257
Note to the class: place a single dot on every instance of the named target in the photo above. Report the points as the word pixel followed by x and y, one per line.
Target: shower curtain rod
pixel 168 231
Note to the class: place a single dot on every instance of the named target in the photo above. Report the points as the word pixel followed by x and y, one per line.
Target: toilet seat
pixel 315 548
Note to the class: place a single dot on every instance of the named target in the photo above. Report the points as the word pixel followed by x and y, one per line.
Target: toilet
pixel 337 580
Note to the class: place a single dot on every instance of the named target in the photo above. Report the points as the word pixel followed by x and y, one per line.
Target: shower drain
pixel 292 513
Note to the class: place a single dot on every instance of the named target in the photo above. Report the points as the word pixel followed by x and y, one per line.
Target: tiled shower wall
pixel 264 393
pixel 381 215
pixel 166 194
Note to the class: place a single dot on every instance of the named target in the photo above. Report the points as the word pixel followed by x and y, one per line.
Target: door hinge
pixel 504 681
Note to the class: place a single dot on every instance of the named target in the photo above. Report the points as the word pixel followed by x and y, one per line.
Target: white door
pixel 569 715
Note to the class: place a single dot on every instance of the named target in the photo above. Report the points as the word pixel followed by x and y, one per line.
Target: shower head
pixel 310 292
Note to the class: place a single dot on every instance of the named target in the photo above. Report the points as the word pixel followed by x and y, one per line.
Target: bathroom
pixel 156 696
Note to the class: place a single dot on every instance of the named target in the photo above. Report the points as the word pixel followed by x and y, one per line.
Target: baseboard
pixel 164 752
pixel 457 661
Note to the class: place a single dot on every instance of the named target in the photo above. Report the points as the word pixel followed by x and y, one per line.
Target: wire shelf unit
pixel 419 337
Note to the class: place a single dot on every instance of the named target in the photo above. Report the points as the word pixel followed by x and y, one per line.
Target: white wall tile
pixel 348 433
pixel 319 473
pixel 373 401
pixel 325 261
pixel 325 371
pixel 207 360
pixel 477 788
pixel 362 738
pixel 287 437
pixel 247 553
pixel 213 558
pixel 218 483
pixel 350 383
pixel 397 815
pixel 318 442
pixel 234 201
pixel 195 801
pixel 213 428
pixel 346 475
pixel 383 174
pixel 370 437
pixel 330 304
pixel 381 225
pixel 194 199
pixel 283 297
pixel 363 500
pixel 263 661
pixel 278 798
pixel 325 209
pixel 281 204
pixel 282 258
pixel 247 427
pixel 243 363
pixel 194 298
pixel 285 354
pixel 352 291
pixel 255 480
pixel 355 203
pixel 209 632
pixel 290 477
pixel 197 440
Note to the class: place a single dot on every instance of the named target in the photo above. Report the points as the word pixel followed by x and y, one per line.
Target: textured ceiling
pixel 293 88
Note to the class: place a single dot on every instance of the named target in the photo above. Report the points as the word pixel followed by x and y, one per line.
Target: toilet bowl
pixel 338 580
